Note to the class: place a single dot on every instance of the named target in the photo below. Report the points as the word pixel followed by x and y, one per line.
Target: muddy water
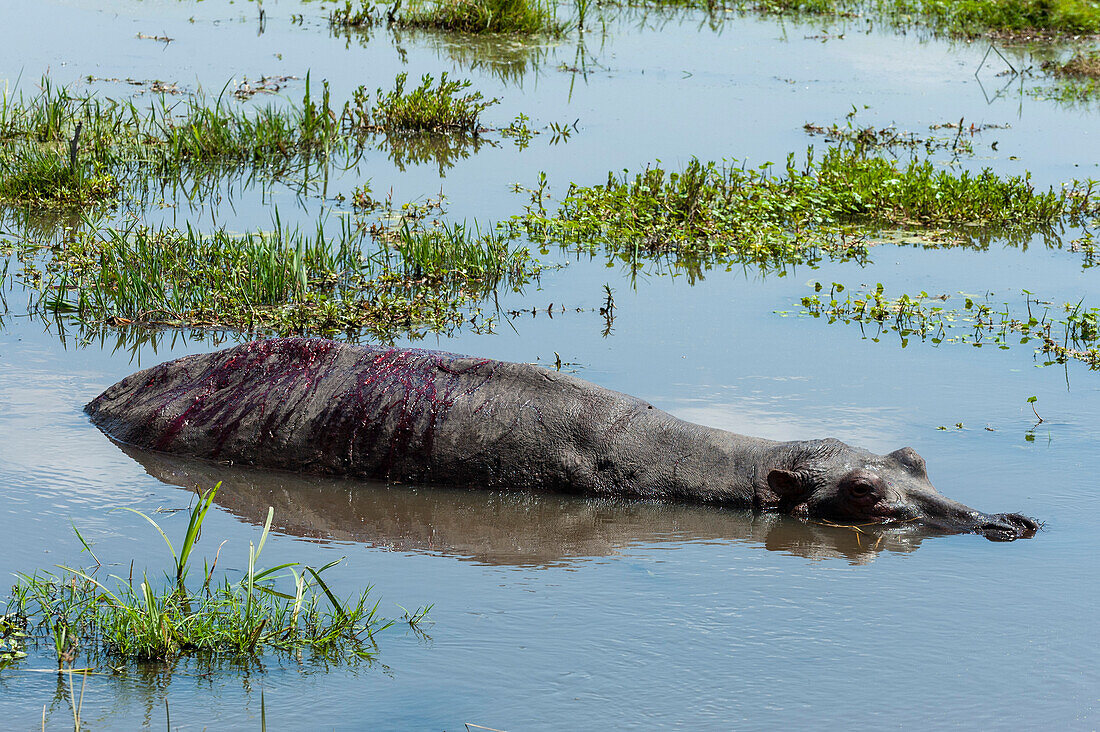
pixel 556 613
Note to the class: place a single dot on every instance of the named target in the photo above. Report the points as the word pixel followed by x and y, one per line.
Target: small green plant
pixel 363 198
pixel 92 618
pixel 519 131
pixel 13 639
pixel 442 106
pixel 1031 402
pixel 365 15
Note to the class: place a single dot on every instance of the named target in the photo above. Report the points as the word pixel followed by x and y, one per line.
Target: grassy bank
pixel 1020 19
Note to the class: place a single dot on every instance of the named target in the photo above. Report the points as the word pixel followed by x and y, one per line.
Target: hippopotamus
pixel 431 417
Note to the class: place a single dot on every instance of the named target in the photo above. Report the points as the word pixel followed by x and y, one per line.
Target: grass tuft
pixel 527 17
pixel 64 150
pixel 1082 64
pixel 89 617
pixel 437 107
pixel 38 175
pixel 57 148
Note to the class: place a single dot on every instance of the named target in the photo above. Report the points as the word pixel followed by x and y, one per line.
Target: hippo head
pixel 830 480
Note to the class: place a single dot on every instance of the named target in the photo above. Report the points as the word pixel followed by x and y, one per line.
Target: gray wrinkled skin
pixel 312 405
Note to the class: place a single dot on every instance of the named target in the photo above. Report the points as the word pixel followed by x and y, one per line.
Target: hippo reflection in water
pixel 317 406
pixel 507 528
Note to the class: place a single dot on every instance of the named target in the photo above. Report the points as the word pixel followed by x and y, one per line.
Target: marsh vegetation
pixel 65 149
pixel 404 273
pixel 1013 19
pixel 93 616
pixel 837 205
pixel 526 17
pixel 1058 332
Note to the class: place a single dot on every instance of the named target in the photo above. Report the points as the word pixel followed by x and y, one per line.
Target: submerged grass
pixel 735 213
pixel 527 17
pixel 1076 81
pixel 1060 333
pixel 411 273
pixel 84 616
pixel 1086 64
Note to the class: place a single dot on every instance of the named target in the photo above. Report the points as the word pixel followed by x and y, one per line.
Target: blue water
pixel 555 613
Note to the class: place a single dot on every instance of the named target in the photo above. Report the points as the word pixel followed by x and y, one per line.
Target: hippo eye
pixel 860 489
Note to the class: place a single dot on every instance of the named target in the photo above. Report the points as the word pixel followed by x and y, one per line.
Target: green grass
pixel 521 17
pixel 736 213
pixel 120 145
pixel 1059 333
pixel 1010 17
pixel 965 18
pixel 40 175
pixel 121 148
pixel 411 273
pixel 443 106
pixel 85 615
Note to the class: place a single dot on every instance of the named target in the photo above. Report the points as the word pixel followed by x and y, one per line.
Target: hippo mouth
pixel 1006 527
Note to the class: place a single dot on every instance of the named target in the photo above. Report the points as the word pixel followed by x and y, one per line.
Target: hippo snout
pixel 1006 527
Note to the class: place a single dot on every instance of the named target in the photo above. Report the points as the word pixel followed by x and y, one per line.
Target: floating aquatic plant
pixel 730 211
pixel 1059 333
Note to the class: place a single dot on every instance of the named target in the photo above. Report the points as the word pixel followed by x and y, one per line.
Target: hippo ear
pixel 787 485
pixel 909 457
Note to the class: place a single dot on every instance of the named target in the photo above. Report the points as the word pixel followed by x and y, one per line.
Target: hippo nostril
pixel 1007 527
pixel 1024 524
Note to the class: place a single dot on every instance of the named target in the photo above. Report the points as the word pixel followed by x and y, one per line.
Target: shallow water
pixel 554 612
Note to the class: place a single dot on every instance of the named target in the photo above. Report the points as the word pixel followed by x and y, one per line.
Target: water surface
pixel 552 612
